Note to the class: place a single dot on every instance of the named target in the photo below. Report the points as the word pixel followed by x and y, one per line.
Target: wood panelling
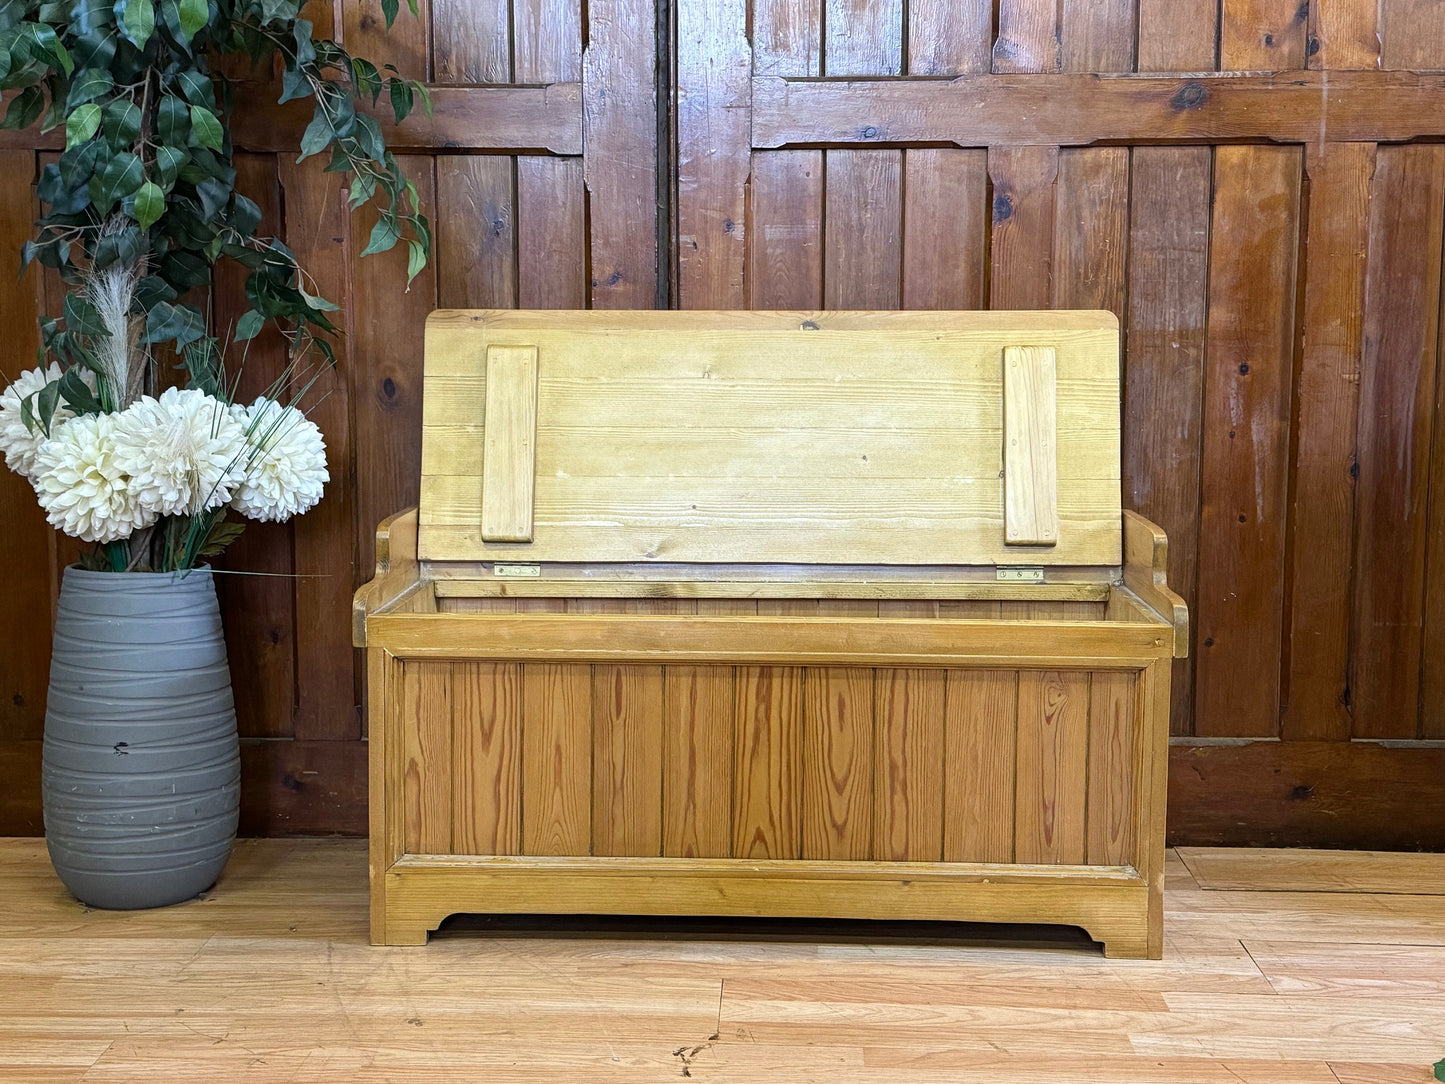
pixel 1249 365
pixel 822 763
pixel 955 169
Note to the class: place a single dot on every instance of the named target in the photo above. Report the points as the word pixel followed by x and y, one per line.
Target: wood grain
pixel 946 37
pixel 1316 704
pixel 863 37
pixel 767 716
pixel 863 230
pixel 472 41
pixel 1344 34
pixel 1178 35
pixel 556 758
pixel 697 761
pixel 1091 229
pixel 909 765
pixel 1410 33
pixel 25 541
pixel 627 751
pixel 945 235
pixel 318 231
pixel 476 240
pixel 1248 389
pixel 900 414
pixel 1021 241
pixel 785 215
pixel 427 694
pixel 550 232
pixel 387 322
pixel 1164 387
pixel 1080 109
pixel 486 757
pixel 1112 721
pixel 1251 869
pixel 1031 467
pixel 1097 35
pixel 1028 36
pixel 980 760
pixel 510 445
pixel 1262 35
pixel 787 37
pixel 1053 740
pixel 546 41
pixel 620 166
pixel 712 151
pixel 1397 406
pixel 836 812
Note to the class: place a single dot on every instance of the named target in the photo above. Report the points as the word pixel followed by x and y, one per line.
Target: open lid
pixel 858 438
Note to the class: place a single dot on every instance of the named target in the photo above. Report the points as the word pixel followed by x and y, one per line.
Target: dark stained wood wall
pixel 1275 264
pixel 1270 237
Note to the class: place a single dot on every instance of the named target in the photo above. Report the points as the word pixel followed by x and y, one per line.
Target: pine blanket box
pixel 828 614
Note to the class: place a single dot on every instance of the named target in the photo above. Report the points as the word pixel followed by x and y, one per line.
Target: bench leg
pixel 404 934
pixel 1129 939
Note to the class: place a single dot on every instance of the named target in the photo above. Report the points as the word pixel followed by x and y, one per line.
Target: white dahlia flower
pixel 184 451
pixel 17 440
pixel 286 471
pixel 83 490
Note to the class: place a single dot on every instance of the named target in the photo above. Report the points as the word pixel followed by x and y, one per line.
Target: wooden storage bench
pixel 805 614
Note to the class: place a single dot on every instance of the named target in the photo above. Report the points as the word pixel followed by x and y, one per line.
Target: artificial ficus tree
pixel 142 205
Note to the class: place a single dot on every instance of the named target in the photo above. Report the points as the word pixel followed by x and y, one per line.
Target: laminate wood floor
pixel 1283 976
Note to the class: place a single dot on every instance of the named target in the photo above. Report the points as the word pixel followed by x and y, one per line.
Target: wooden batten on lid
pixel 879 439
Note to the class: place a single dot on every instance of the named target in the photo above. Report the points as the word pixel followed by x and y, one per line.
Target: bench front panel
pixel 747 762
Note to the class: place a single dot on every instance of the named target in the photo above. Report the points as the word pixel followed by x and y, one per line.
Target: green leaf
pixel 194 15
pixel 122 176
pixel 384 235
pixel 1440 1069
pixel 84 122
pixel 319 304
pixel 401 99
pixel 173 121
pixel 77 394
pixel 389 8
pixel 87 86
pixel 368 134
pixel 415 260
pixel 294 84
pixel 206 128
pixel 421 88
pixel 363 187
pixel 249 325
pixel 222 534
pixel 317 135
pixel 121 122
pixel 81 316
pixel 47 47
pixel 139 21
pixel 179 322
pixel 150 204
pixel 169 161
pixel 24 108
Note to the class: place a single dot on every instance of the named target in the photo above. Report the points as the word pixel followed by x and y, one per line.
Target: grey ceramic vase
pixel 141 768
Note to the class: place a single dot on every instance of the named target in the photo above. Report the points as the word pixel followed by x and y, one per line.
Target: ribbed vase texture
pixel 141 768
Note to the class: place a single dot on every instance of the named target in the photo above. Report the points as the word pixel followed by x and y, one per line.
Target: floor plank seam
pixel 1274 989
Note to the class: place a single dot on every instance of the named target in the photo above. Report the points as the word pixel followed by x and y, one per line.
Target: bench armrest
pixel 1146 566
pixel 397 571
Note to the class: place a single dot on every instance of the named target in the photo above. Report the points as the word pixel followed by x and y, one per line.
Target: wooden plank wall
pixel 1275 265
pixel 1279 294
pixel 515 222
